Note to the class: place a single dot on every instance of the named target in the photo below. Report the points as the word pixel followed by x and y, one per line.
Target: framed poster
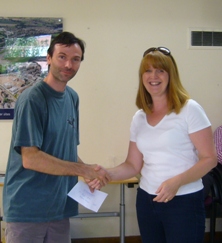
pixel 23 49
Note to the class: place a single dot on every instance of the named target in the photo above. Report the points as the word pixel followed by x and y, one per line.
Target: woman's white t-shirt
pixel 166 147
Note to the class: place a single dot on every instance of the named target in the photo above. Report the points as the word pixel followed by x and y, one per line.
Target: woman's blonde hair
pixel 176 93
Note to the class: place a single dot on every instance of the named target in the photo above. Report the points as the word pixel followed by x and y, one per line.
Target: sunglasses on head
pixel 162 49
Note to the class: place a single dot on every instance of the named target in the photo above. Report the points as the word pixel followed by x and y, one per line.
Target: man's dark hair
pixel 67 39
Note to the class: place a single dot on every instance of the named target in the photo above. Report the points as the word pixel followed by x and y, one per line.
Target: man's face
pixel 65 62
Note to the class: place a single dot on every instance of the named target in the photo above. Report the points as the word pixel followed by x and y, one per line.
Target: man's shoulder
pixel 33 93
pixel 72 93
pixel 32 89
pixel 71 90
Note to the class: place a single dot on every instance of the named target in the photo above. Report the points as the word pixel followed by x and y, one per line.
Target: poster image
pixel 23 49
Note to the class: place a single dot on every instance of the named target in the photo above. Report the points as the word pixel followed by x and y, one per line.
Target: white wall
pixel 116 33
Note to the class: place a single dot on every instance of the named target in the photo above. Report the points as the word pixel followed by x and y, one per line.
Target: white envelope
pixel 91 200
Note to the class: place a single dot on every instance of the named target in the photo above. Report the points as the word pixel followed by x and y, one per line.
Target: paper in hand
pixel 91 200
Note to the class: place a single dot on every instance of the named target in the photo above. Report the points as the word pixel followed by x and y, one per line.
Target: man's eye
pixel 77 60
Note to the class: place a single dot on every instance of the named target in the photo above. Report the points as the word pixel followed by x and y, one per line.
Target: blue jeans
pixel 181 220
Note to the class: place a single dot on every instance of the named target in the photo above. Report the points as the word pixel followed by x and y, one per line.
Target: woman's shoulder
pixel 192 105
pixel 139 116
pixel 191 102
pixel 139 113
pixel 195 116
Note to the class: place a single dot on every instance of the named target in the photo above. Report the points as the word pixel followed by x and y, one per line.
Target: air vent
pixel 206 38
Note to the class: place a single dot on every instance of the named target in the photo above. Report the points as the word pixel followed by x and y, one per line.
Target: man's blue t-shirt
pixel 48 120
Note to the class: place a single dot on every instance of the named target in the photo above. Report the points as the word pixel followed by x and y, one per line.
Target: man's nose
pixel 68 64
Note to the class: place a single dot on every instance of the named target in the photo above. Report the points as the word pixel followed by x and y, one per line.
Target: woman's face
pixel 155 81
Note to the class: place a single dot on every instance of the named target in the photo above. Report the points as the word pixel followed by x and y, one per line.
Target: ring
pixel 166 200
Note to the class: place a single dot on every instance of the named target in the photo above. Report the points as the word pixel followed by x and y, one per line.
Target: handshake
pixel 96 177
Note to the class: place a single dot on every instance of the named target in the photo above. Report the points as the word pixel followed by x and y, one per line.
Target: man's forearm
pixel 37 160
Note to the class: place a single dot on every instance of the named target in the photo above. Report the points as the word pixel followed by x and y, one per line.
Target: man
pixel 207 179
pixel 218 143
pixel 43 163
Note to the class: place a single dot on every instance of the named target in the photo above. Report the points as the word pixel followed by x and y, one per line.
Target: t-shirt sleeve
pixel 134 124
pixel 29 125
pixel 196 117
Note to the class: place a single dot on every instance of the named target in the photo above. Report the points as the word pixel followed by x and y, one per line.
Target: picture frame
pixel 23 49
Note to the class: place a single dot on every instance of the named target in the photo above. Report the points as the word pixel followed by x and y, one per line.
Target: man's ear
pixel 48 59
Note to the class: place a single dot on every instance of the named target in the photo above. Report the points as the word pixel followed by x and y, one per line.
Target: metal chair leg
pixel 213 222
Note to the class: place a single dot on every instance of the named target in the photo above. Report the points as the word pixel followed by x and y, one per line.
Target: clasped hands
pixel 100 178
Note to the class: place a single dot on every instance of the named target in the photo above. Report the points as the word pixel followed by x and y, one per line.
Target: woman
pixel 171 145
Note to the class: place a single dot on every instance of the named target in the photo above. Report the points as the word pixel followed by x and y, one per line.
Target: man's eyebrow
pixel 62 53
pixel 75 56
